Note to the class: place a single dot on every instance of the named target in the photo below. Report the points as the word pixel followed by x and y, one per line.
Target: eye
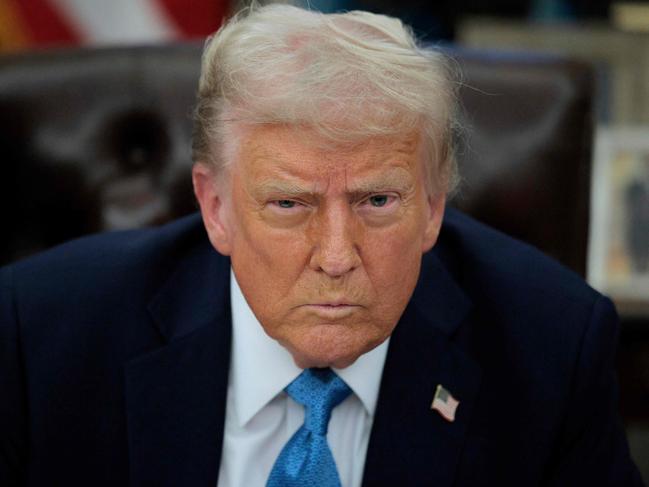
pixel 280 212
pixel 285 203
pixel 286 206
pixel 379 205
pixel 378 200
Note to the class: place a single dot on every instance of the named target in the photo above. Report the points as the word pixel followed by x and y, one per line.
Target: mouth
pixel 332 310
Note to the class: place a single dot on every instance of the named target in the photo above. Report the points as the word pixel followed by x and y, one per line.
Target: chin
pixel 330 348
pixel 308 361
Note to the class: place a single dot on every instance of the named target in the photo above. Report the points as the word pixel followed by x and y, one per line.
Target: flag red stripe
pixel 195 18
pixel 45 23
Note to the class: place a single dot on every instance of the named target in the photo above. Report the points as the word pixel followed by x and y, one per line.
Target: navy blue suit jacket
pixel 115 349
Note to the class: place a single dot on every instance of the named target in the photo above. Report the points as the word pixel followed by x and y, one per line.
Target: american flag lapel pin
pixel 444 403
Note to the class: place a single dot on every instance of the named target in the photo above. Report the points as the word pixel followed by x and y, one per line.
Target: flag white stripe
pixel 117 21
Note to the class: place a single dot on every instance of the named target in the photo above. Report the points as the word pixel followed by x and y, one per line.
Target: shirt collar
pixel 261 368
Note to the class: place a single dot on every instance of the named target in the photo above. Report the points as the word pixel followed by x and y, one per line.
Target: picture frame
pixel 618 260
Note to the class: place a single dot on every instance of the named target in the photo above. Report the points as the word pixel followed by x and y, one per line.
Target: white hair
pixel 349 76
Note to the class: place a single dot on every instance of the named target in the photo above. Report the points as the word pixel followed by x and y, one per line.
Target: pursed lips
pixel 332 309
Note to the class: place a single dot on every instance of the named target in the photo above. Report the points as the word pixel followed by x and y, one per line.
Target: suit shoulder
pixel 97 264
pixel 524 310
pixel 489 263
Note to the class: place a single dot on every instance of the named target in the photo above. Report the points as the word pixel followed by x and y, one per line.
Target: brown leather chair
pixel 99 139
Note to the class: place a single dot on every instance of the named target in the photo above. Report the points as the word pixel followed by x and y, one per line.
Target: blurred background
pixel 611 36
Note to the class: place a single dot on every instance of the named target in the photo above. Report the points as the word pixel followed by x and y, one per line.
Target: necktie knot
pixel 319 391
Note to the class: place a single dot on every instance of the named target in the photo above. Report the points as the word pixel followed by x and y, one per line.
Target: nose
pixel 335 250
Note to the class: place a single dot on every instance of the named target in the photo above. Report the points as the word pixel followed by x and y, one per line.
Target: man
pixel 317 346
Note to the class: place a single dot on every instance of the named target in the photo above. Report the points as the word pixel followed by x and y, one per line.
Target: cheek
pixel 282 253
pixel 392 262
pixel 393 249
pixel 268 263
pixel 263 248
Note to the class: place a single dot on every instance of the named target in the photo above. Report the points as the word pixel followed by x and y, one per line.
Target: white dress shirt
pixel 260 417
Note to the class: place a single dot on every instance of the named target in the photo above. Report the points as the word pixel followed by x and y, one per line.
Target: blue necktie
pixel 306 459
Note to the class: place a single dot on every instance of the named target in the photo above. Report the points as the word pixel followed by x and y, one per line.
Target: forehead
pixel 303 152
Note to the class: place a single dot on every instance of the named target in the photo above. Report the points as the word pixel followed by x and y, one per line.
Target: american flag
pixel 444 403
pixel 28 24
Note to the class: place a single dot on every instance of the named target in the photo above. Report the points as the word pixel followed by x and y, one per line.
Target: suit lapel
pixel 176 395
pixel 411 444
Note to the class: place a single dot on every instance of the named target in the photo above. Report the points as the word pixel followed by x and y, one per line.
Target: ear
pixel 214 199
pixel 436 204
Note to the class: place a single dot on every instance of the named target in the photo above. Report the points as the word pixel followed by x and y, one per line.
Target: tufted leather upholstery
pixel 100 139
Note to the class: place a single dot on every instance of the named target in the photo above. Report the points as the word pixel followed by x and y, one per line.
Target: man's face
pixel 326 245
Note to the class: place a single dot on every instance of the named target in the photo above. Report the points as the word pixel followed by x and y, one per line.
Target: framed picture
pixel 618 262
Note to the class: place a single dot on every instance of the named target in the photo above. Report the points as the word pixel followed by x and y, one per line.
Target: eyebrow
pixel 392 180
pixel 284 187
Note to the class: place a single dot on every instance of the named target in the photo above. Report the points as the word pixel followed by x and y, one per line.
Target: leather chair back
pixel 96 140
pixel 526 155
